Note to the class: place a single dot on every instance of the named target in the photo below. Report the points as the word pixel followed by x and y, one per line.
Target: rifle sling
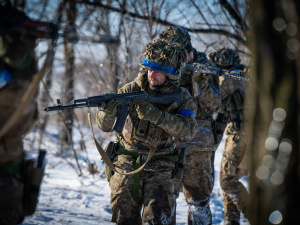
pixel 28 96
pixel 153 145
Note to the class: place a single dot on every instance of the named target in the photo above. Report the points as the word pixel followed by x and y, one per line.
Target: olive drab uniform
pixel 16 58
pixel 198 175
pixel 153 187
pixel 232 169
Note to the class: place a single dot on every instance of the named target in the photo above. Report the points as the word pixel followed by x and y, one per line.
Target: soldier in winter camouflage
pixel 198 175
pixel 17 59
pixel 232 92
pixel 153 187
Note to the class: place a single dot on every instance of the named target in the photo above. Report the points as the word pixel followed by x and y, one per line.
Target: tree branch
pixel 162 22
pixel 234 14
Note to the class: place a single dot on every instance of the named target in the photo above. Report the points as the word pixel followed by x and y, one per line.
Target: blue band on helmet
pixel 215 89
pixel 157 66
pixel 186 112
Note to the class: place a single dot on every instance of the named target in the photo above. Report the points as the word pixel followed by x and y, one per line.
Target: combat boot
pixel 228 222
pixel 199 214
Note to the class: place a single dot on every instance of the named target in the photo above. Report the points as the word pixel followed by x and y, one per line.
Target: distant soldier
pixel 17 67
pixel 235 195
pixel 198 175
pixel 153 187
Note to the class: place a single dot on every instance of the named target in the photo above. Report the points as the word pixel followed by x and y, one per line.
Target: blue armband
pixel 5 78
pixel 186 112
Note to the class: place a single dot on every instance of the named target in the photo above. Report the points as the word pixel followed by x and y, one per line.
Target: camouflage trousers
pixel 198 174
pixel 155 194
pixel 11 150
pixel 235 195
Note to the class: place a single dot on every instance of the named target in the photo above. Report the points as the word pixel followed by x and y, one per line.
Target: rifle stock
pixel 124 101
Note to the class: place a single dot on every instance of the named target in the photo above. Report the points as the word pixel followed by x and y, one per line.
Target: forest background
pixel 264 33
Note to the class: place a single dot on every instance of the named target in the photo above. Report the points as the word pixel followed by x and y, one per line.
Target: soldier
pixel 198 175
pixel 152 188
pixel 232 92
pixel 17 61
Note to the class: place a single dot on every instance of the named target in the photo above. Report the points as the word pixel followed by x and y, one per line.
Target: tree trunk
pixel 68 85
pixel 273 113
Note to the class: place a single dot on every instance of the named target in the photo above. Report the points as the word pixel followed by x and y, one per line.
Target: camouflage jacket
pixel 209 102
pixel 137 133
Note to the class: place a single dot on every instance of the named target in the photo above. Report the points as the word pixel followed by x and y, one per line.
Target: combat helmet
pixel 225 57
pixel 175 34
pixel 165 58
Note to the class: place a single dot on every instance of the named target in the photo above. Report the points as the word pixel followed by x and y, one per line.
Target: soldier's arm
pixel 210 99
pixel 182 125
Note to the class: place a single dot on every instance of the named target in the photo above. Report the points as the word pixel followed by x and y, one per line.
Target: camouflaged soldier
pixel 232 92
pixel 153 187
pixel 198 175
pixel 16 60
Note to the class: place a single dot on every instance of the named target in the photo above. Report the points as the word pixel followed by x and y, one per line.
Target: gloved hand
pixel 109 108
pixel 147 111
pixel 200 78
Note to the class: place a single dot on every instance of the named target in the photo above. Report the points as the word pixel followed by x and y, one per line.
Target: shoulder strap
pixel 28 96
pixel 153 145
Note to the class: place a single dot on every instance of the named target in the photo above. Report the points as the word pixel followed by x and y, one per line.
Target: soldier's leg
pixel 11 151
pixel 11 192
pixel 234 191
pixel 125 210
pixel 198 183
pixel 159 198
pixel 231 212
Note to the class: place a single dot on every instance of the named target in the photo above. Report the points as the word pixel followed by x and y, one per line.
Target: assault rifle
pixel 211 70
pixel 208 69
pixel 21 24
pixel 124 100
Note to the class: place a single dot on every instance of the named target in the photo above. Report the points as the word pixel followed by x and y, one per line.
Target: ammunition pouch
pixel 20 182
pixel 117 148
pixel 110 151
pixel 33 175
pixel 179 166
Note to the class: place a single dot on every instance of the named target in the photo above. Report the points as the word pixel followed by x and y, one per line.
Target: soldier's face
pixel 155 79
pixel 191 56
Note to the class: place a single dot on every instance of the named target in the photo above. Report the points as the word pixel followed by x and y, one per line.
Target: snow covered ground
pixel 66 198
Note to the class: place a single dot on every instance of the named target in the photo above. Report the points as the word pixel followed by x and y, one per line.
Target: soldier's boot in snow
pixel 231 212
pixel 227 222
pixel 199 214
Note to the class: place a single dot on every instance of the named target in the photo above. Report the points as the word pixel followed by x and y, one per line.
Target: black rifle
pixel 21 24
pixel 124 101
pixel 208 69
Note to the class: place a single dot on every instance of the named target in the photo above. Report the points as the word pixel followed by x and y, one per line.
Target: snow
pixel 67 198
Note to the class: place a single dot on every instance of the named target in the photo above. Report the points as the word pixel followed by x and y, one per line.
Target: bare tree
pixel 273 107
pixel 68 80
